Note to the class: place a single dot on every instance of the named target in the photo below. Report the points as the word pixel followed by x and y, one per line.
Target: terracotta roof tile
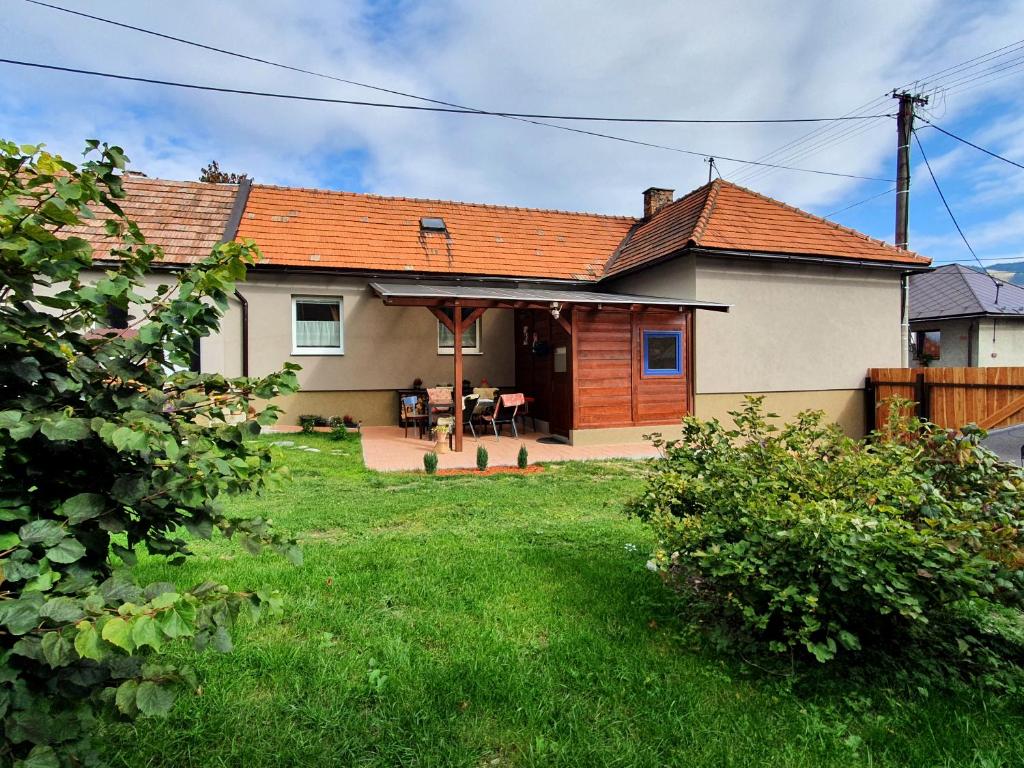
pixel 185 218
pixel 722 215
pixel 370 232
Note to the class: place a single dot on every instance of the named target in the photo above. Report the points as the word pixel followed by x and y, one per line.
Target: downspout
pixel 245 331
pixel 230 231
pixel 904 320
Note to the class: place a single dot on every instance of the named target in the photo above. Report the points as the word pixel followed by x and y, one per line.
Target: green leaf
pixel 82 507
pixel 221 640
pixel 178 621
pixel 41 756
pixel 64 428
pixel 87 641
pixel 153 699
pixel 45 532
pixel 118 632
pixel 20 615
pixel 9 540
pixel 56 650
pixel 67 551
pixel 61 610
pixel 125 697
pixel 146 631
pixel 150 333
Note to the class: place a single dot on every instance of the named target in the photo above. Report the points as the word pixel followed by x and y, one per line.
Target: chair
pixel 504 412
pixel 469 411
pixel 439 403
pixel 410 413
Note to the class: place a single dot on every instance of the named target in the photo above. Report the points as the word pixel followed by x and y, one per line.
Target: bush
pixel 805 539
pixel 522 458
pixel 430 462
pixel 481 458
pixel 143 453
pixel 308 422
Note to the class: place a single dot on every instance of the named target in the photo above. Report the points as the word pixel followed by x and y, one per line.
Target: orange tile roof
pixel 722 215
pixel 185 218
pixel 346 230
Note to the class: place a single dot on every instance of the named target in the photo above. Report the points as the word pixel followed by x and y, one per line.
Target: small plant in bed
pixel 481 458
pixel 522 458
pixel 804 540
pixel 430 463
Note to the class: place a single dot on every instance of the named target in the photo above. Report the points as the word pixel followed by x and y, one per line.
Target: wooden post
pixel 457 405
pixel 870 406
pixel 921 396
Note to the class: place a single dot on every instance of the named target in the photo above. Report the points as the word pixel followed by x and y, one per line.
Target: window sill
pixel 314 352
pixel 451 352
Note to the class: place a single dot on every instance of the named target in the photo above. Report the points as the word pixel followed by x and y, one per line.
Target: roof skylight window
pixel 432 224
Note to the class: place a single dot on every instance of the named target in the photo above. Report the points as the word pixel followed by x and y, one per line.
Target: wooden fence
pixel 949 397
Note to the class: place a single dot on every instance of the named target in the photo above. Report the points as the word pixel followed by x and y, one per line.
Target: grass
pixel 508 621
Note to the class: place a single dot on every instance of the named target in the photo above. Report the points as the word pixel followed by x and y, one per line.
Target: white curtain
pixel 317 333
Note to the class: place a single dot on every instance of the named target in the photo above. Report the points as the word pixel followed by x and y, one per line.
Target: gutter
pixel 230 231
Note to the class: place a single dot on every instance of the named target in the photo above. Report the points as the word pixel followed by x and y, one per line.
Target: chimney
pixel 656 198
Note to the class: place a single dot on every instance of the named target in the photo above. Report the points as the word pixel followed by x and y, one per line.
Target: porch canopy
pixel 417 294
pixel 472 300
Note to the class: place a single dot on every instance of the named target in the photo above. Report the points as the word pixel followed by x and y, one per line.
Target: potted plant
pixel 441 431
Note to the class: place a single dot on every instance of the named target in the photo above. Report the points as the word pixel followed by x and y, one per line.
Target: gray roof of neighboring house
pixel 958 291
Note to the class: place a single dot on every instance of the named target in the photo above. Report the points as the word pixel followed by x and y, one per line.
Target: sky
pixel 721 59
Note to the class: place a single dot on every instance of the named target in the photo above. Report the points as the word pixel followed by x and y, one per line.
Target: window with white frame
pixel 318 325
pixel 471 336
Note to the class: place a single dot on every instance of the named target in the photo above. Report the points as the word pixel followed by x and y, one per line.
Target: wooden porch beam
pixel 564 321
pixel 442 318
pixel 473 316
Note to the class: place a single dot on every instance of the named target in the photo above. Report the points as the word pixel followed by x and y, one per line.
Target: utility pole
pixel 904 132
pixel 711 167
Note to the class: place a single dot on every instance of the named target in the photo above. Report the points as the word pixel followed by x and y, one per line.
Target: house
pixel 961 316
pixel 614 325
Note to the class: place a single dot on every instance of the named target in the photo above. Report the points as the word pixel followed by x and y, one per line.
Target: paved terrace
pixel 386 450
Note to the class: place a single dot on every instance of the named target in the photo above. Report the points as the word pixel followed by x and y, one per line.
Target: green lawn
pixel 505 621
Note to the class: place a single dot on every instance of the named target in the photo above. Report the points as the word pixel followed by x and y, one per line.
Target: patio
pixel 386 449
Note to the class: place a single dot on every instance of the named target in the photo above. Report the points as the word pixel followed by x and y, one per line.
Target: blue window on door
pixel 663 353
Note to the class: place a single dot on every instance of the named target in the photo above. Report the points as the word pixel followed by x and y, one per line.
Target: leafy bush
pixel 103 448
pixel 308 421
pixel 339 432
pixel 430 462
pixel 481 458
pixel 806 539
pixel 522 458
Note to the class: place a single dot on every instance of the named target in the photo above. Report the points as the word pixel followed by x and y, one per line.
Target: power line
pixel 413 107
pixel 942 197
pixel 861 202
pixel 820 136
pixel 326 100
pixel 972 144
pixel 452 107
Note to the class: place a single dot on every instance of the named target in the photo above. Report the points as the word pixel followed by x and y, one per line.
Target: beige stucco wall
pixel 385 348
pixel 1000 342
pixel 791 327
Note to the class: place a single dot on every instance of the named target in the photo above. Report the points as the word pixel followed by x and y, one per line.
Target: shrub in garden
pixel 805 539
pixel 481 458
pixel 430 462
pixel 522 458
pixel 308 421
pixel 102 449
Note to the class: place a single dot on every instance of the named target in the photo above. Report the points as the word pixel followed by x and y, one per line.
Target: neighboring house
pixel 614 324
pixel 960 316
